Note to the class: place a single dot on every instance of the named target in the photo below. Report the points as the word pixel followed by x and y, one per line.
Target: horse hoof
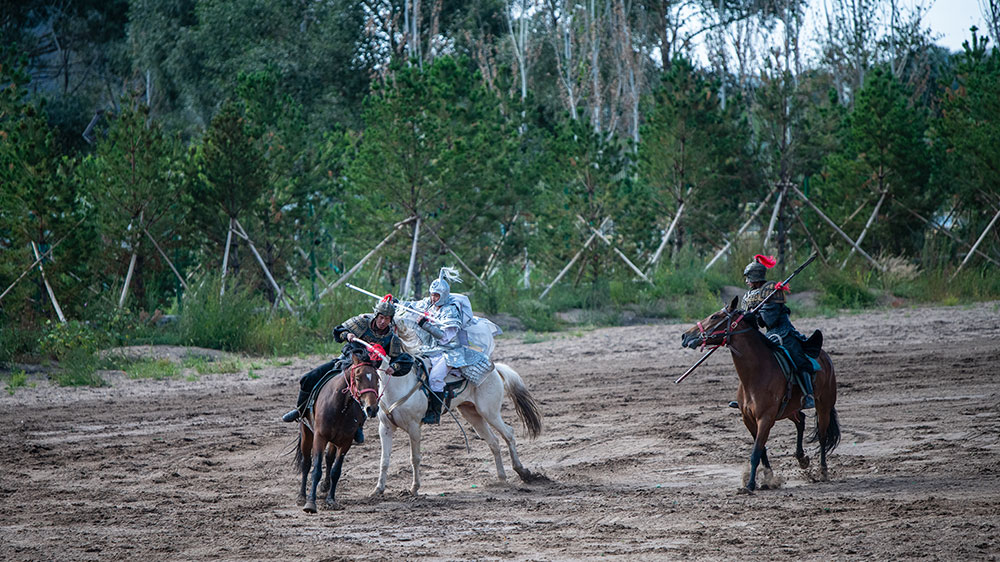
pixel 804 463
pixel 300 501
pixel 744 491
pixel 310 507
pixel 324 487
pixel 333 506
pixel 376 493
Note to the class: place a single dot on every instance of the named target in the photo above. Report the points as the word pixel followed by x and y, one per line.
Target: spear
pixel 398 304
pixel 750 313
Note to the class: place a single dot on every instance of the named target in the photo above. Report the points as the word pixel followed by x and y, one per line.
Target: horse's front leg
pixel 760 441
pixel 385 431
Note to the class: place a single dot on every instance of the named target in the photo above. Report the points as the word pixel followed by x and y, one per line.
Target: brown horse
pixel 762 393
pixel 342 406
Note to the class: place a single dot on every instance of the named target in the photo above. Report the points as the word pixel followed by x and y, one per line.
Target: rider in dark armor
pixel 376 328
pixel 774 317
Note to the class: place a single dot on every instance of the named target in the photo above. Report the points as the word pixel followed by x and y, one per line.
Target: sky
pixel 952 19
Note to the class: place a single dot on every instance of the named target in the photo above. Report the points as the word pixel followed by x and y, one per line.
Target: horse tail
pixel 832 436
pixel 297 463
pixel 524 403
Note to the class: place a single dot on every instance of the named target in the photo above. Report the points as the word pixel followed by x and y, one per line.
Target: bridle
pixel 728 332
pixel 354 386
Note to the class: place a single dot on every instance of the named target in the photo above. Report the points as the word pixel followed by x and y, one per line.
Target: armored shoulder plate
pixel 754 297
pixel 358 325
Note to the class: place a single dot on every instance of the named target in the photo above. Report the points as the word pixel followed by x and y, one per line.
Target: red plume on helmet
pixel 376 352
pixel 387 298
pixel 766 261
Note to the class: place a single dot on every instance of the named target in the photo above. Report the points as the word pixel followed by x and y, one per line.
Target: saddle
pixel 454 382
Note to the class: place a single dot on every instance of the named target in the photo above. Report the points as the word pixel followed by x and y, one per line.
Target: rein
pixel 728 332
pixel 354 388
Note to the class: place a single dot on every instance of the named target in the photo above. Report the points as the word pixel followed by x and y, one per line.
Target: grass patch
pixel 156 369
pixel 78 367
pixel 208 366
pixel 16 380
pixel 534 337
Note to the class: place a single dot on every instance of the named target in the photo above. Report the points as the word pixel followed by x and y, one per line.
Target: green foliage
pixel 78 367
pixel 17 342
pixel 846 290
pixel 61 340
pixel 225 322
pixel 206 365
pixel 16 380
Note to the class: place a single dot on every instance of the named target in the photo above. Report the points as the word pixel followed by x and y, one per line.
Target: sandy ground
pixel 637 467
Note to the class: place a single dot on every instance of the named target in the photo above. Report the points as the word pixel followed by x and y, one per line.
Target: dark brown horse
pixel 763 391
pixel 342 406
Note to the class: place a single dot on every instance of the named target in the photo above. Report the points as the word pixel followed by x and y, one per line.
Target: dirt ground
pixel 637 467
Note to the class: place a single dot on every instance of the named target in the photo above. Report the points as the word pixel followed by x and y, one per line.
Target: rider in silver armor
pixel 444 338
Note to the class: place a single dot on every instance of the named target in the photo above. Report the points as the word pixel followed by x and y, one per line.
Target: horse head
pixel 363 383
pixel 407 331
pixel 716 329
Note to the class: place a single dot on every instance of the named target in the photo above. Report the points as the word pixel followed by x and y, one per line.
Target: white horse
pixel 404 403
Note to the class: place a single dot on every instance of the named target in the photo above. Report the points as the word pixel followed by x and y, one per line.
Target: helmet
pixel 385 307
pixel 441 286
pixel 755 272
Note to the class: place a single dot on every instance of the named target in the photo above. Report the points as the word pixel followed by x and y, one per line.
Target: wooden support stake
pixel 798 217
pixel 572 261
pixel 164 256
pixel 945 231
pixel 413 260
pixel 663 241
pixel 868 224
pixel 774 217
pixel 353 270
pixel 128 279
pixel 267 273
pixel 837 228
pixel 976 245
pixel 48 287
pixel 617 251
pixel 225 258
pixel 742 228
pixel 496 251
pixel 305 256
pixel 452 252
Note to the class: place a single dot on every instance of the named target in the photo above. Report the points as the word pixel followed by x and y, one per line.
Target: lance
pixel 750 313
pixel 370 347
pixel 398 304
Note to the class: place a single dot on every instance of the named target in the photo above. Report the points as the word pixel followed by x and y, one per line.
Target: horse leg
pixel 305 452
pixel 324 487
pixel 822 424
pixel 414 432
pixel 470 413
pixel 319 445
pixel 334 477
pixel 763 430
pixel 385 431
pixel 507 432
pixel 800 426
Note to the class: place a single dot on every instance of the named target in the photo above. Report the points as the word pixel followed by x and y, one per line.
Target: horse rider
pixel 774 317
pixel 444 338
pixel 374 328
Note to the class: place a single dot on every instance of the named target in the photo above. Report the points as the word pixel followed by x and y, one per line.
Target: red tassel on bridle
pixel 766 261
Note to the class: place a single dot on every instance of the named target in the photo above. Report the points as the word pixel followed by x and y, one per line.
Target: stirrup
pixel 432 418
pixel 734 404
pixel 808 402
pixel 291 416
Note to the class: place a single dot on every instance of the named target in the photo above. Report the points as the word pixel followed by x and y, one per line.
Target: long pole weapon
pixel 752 312
pixel 398 305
